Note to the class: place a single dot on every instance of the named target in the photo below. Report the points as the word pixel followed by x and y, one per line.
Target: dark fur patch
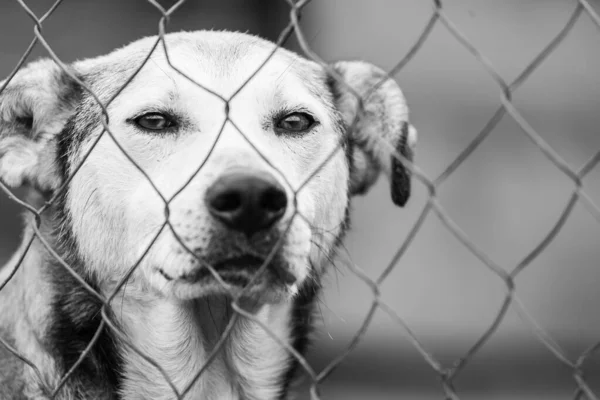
pixel 302 326
pixel 347 141
pixel 76 318
pixel 76 313
pixel 400 180
pixel 66 141
pixel 303 313
pixel 332 84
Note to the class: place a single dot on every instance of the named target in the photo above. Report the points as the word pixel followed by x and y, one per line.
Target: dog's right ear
pixel 34 108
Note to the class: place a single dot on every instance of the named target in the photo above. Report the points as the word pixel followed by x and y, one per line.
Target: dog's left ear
pixel 380 129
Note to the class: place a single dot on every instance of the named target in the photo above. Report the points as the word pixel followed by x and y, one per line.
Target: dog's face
pixel 260 183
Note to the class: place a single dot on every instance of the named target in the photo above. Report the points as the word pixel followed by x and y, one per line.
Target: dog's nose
pixel 246 202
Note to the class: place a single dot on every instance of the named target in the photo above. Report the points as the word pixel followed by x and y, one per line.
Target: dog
pixel 212 175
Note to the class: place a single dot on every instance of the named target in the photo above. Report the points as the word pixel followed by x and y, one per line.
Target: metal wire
pixel 447 374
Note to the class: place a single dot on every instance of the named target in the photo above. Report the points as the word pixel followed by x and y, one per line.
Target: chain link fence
pixel 507 274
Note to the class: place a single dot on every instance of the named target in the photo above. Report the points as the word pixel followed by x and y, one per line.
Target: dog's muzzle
pixel 246 202
pixel 248 248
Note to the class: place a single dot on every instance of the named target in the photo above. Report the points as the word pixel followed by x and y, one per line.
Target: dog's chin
pixel 260 294
pixel 248 283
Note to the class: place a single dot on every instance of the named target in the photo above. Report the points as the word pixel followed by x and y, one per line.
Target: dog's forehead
pixel 219 61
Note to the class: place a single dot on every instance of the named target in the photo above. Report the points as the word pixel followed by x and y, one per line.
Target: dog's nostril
pixel 228 201
pixel 273 200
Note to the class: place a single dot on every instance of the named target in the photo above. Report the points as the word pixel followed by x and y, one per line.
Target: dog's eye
pixel 154 121
pixel 295 122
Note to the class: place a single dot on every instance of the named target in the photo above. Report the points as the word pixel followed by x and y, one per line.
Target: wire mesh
pixel 446 373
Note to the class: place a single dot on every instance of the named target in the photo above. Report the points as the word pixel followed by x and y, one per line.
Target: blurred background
pixel 506 196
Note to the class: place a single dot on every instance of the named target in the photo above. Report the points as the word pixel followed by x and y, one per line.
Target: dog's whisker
pixel 92 193
pixel 335 314
pixel 329 254
pixel 123 298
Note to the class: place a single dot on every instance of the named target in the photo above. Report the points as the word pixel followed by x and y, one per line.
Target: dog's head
pixel 186 180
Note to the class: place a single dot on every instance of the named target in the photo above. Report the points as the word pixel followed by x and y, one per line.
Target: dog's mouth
pixel 238 271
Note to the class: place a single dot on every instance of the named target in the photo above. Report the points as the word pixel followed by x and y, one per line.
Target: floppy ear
pixel 34 108
pixel 381 128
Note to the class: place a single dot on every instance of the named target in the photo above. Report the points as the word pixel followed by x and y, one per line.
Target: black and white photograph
pixel 299 200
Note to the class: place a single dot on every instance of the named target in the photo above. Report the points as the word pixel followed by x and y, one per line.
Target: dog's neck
pixel 180 337
pixel 54 318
